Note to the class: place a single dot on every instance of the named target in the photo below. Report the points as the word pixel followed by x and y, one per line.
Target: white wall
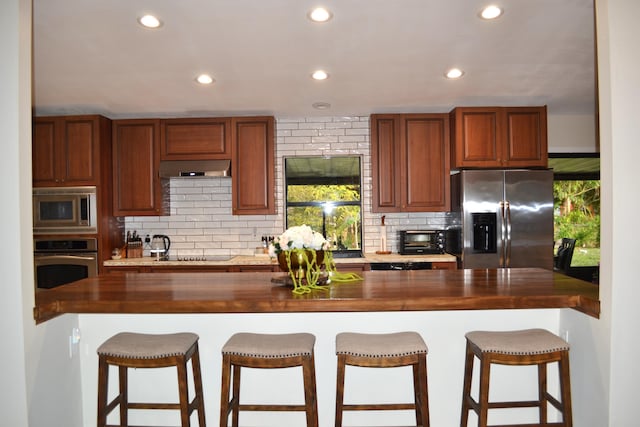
pixel 619 94
pixel 571 133
pixel 13 393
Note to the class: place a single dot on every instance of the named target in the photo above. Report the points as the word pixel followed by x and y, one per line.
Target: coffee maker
pixel 160 245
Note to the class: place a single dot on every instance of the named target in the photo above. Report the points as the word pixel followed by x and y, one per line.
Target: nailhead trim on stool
pixel 267 351
pixel 384 351
pixel 133 350
pixel 517 348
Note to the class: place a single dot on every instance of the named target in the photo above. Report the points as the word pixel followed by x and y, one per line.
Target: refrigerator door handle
pixel 508 239
pixel 503 234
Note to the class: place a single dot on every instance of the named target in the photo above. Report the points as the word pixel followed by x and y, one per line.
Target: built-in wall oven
pixel 61 261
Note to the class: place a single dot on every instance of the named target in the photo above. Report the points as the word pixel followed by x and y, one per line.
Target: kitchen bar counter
pixel 418 290
pixel 266 260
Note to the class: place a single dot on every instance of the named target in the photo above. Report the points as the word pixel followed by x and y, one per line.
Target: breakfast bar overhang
pixel 420 290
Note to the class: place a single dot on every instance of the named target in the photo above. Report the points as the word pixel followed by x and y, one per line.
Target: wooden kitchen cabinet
pixel 66 149
pixel 499 137
pixel 137 187
pixel 410 162
pixel 195 139
pixel 252 166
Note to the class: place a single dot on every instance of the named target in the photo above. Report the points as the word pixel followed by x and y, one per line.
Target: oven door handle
pixel 64 257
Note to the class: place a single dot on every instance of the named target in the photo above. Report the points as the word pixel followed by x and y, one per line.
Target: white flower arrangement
pixel 298 237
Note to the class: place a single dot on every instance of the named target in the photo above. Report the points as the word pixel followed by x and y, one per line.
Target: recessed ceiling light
pixel 204 79
pixel 320 75
pixel 149 21
pixel 321 105
pixel 454 73
pixel 320 14
pixel 491 12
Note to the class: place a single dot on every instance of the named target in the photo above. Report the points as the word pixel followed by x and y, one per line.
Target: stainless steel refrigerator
pixel 506 218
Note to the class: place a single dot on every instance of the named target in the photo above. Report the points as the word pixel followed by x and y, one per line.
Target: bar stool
pixel 267 351
pixel 517 348
pixel 384 351
pixel 133 350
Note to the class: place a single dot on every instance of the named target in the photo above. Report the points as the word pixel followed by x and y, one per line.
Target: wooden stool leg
pixel 340 389
pixel 235 405
pixel 103 388
pixel 466 388
pixel 542 392
pixel 124 396
pixel 565 389
pixel 421 392
pixel 183 392
pixel 483 397
pixel 197 383
pixel 224 391
pixel 310 395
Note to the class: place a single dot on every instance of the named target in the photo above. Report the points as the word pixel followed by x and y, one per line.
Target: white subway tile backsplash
pixel 201 223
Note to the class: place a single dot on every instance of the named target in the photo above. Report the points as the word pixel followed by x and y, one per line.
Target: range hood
pixel 194 168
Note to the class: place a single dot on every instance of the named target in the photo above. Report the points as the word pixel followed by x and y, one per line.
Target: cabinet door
pixel 81 162
pixel 196 139
pixel 65 151
pixel 385 163
pixel 137 189
pixel 410 162
pixel 425 163
pixel 477 137
pixel 253 163
pixel 44 152
pixel 526 137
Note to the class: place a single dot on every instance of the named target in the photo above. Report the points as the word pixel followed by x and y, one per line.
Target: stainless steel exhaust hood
pixel 194 168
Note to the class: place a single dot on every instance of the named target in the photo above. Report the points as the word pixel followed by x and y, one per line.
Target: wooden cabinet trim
pixel 195 139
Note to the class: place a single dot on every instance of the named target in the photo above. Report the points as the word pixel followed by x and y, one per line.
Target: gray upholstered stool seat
pixel 270 345
pixel 147 346
pixel 523 347
pixel 380 345
pixel 528 341
pixel 384 351
pixel 267 351
pixel 133 350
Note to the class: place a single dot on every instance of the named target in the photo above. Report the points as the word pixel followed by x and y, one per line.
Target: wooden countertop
pixel 266 260
pixel 417 290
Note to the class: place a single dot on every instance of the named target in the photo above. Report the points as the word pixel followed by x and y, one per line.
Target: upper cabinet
pixel 252 166
pixel 137 188
pixel 196 139
pixel 499 137
pixel 410 162
pixel 66 149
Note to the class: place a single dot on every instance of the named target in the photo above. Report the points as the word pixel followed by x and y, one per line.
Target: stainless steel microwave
pixel 422 242
pixel 68 210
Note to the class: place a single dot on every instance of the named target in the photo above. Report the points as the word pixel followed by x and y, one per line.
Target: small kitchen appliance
pixel 160 245
pixel 422 242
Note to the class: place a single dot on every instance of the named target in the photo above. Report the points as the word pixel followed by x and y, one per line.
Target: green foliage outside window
pixel 577 215
pixel 333 210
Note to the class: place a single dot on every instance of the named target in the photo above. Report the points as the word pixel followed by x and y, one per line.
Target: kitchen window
pixel 576 195
pixel 325 194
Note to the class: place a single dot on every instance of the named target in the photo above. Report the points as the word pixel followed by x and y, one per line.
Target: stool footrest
pixel 248 407
pixel 378 407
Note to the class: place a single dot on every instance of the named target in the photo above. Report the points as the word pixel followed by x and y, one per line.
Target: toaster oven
pixel 422 242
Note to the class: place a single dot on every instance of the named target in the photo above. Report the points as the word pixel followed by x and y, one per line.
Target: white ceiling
pixel 91 56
